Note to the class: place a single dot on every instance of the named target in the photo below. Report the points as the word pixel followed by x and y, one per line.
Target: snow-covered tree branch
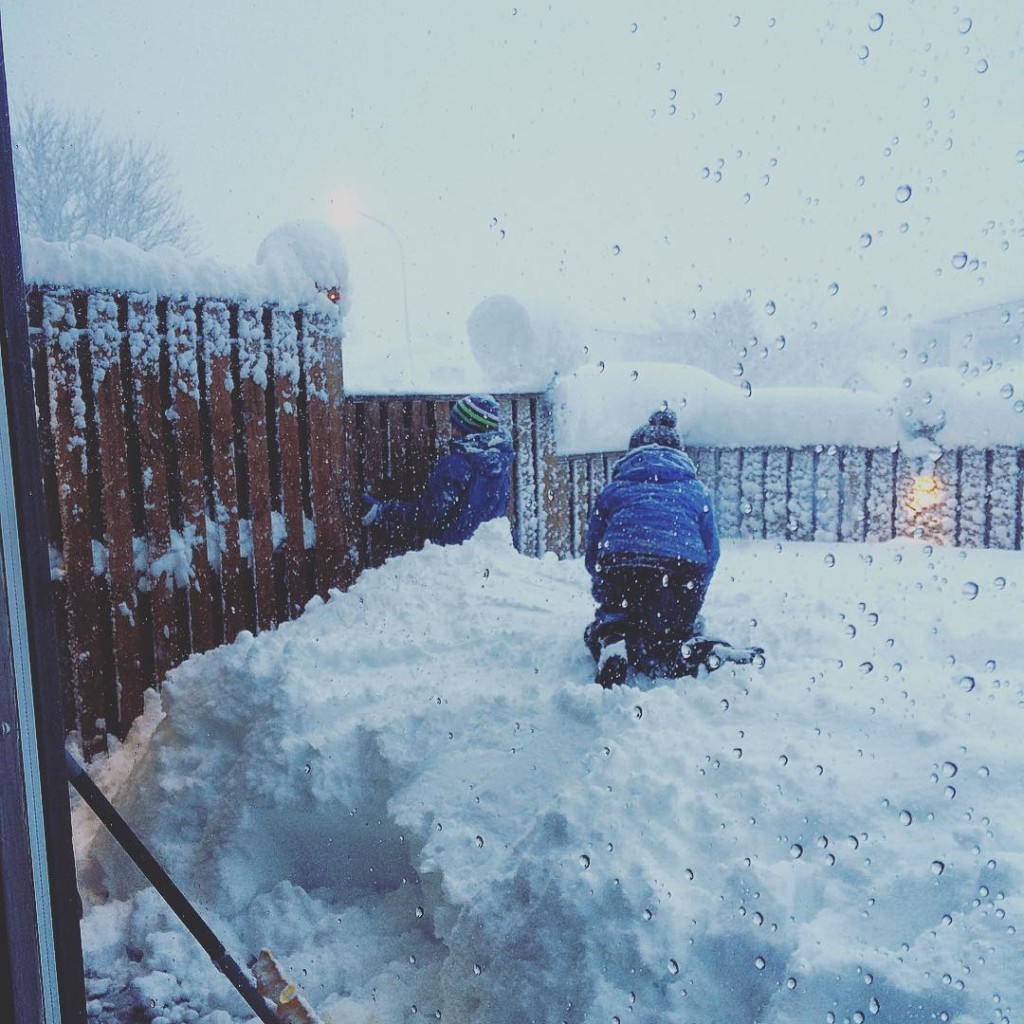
pixel 74 180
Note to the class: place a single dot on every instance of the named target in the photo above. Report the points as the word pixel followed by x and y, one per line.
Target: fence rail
pixel 203 470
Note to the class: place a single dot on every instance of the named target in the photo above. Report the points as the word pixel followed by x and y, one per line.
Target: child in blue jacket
pixel 652 547
pixel 468 486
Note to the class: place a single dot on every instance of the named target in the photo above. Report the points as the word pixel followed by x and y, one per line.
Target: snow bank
pixel 599 405
pixel 419 800
pixel 296 264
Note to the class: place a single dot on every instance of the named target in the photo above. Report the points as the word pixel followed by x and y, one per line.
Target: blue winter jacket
pixel 467 487
pixel 653 511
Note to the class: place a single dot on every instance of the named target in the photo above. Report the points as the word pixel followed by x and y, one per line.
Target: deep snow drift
pixel 418 799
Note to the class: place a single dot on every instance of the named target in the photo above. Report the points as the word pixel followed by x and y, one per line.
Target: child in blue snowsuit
pixel 652 547
pixel 468 486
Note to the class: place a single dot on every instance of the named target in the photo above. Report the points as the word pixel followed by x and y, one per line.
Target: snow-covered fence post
pixel 287 371
pixel 826 493
pixel 527 522
pixel 183 344
pixel 1004 499
pixel 321 344
pixel 752 493
pixel 974 481
pixel 776 492
pixel 68 425
pixel 148 409
pixel 252 358
pixel 800 525
pixel 553 483
pixel 881 496
pixel 420 457
pixel 103 319
pixel 219 385
pixel 853 493
pixel 727 495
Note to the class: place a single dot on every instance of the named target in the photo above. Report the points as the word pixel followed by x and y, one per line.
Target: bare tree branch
pixel 73 180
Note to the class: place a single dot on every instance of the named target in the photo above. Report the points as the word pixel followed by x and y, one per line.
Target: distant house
pixel 990 335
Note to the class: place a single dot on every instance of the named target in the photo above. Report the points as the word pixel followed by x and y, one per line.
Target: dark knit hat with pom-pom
pixel 660 428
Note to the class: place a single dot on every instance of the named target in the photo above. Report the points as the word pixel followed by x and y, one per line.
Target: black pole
pixel 42 733
pixel 175 899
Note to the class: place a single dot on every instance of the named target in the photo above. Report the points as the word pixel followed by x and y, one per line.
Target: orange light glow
pixel 926 492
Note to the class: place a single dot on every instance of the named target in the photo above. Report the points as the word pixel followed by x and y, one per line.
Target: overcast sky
pixel 619 158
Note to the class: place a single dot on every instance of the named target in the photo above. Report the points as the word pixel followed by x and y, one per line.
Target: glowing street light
pixel 345 211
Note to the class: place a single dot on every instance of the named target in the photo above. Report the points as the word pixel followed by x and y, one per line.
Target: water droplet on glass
pixel 796 851
pixel 982 66
pixel 863 52
pixel 970 590
pixel 865 240
pixel 718 98
pixel 308 768
pixel 616 249
pixel 638 712
pixel 866 667
pixel 769 307
pixel 479 841
pixel 747 388
pixel 906 818
pixel 876 21
pixel 673 967
pixel 419 911
pixel 903 193
pixel 759 963
pixel 959 260
pixel 1006 391
pixel 830 560
pixel 833 288
pixel 874 1005
pixel 965 26
pixel 967 683
pixel 584 861
pixel 600 366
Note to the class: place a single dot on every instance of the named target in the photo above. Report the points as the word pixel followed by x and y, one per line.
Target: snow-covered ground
pixel 417 797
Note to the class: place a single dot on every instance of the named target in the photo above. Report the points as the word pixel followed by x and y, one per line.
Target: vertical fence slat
pixel 853 481
pixel 776 514
pixel 973 481
pixel 68 426
pixel 324 386
pixel 184 359
pixel 1003 498
pixel 252 359
pixel 826 493
pixel 147 398
pixel 879 525
pixel 524 471
pixel 352 487
pixel 752 494
pixel 554 486
pixel 118 533
pixel 800 525
pixel 728 494
pixel 579 500
pixel 371 445
pixel 284 343
pixel 235 573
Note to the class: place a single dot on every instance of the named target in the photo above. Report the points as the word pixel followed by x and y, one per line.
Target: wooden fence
pixel 204 467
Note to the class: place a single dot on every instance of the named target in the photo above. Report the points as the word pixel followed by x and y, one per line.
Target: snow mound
pixel 418 799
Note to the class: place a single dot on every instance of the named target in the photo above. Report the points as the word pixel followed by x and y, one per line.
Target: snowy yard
pixel 418 799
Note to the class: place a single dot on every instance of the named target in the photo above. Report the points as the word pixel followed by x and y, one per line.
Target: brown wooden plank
pixel 352 487
pixel 322 340
pixel 183 345
pixel 284 344
pixel 524 473
pixel 68 426
pixel 553 485
pixel 145 346
pixel 237 599
pixel 253 384
pixel 372 447
pixel 122 581
pixel 419 452
pixel 41 384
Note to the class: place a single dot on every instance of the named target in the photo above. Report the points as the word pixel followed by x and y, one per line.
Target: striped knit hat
pixel 475 413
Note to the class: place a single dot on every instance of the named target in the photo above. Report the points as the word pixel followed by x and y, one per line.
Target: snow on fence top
pixel 297 264
pixel 597 407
